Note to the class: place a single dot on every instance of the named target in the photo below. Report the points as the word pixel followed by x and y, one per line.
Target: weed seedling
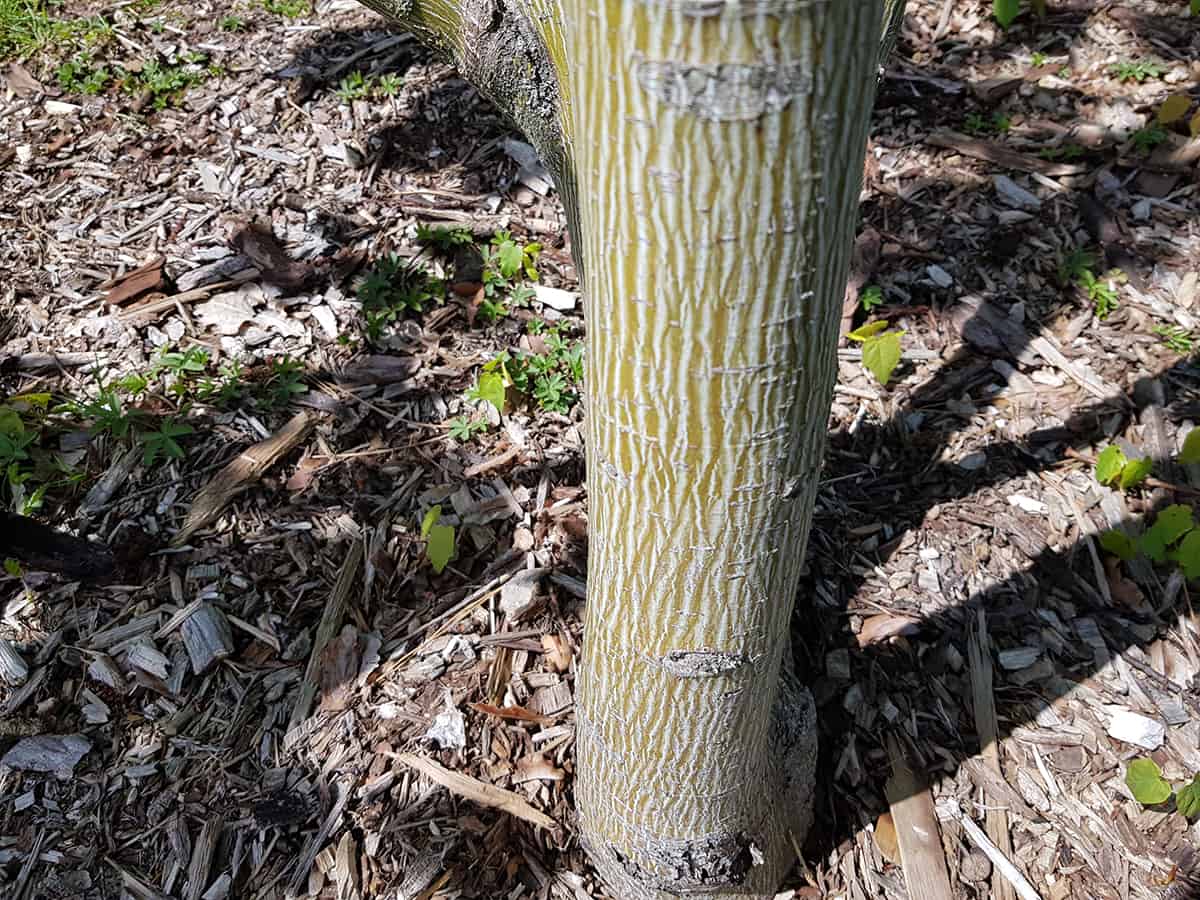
pixel 463 429
pixel 1136 71
pixel 354 86
pixel 1178 340
pixel 160 443
pixel 1146 139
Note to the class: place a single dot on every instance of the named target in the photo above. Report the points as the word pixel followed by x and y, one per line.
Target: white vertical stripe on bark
pixel 717 150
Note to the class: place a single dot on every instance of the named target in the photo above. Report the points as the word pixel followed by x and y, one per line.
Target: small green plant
pixel 161 443
pixel 1178 339
pixel 1038 59
pixel 870 297
pixel 1136 71
pixel 443 240
pixel 165 82
pixel 1112 468
pixel 225 389
pixel 463 429
pixel 284 384
pixel 439 540
pixel 1173 536
pixel 504 260
pixel 880 349
pixel 1074 264
pixel 393 287
pixel 289 9
pixel 389 84
pixel 1145 781
pixel 80 75
pixel 190 362
pixel 1101 292
pixel 354 86
pixel 232 24
pixel 1006 11
pixel 549 379
pixel 1146 139
pixel 1063 152
pixel 997 123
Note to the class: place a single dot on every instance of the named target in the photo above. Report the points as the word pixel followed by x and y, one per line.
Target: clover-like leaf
pixel 1172 524
pixel 1191 447
pixel 1145 782
pixel 1188 555
pixel 1109 464
pixel 1135 472
pixel 431 517
pixel 1119 544
pixel 1187 798
pixel 1006 11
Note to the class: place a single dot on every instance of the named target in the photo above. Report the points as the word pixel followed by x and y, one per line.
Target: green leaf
pixel 1135 472
pixel 1187 798
pixel 867 331
pixel 1109 464
pixel 491 388
pixel 439 546
pixel 510 257
pixel 1172 524
pixel 1195 7
pixel 1119 544
pixel 881 355
pixel 1188 555
pixel 1006 11
pixel 1191 447
pixel 431 517
pixel 1145 782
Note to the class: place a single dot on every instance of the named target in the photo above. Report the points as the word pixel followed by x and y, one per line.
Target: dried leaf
pixel 1174 108
pixel 516 713
pixel 536 767
pixel 885 626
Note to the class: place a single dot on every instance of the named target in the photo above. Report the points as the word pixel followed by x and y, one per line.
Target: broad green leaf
pixel 12 426
pixel 1172 524
pixel 40 400
pixel 1006 11
pixel 881 355
pixel 866 331
pixel 1195 7
pixel 1119 544
pixel 431 517
pixel 1135 472
pixel 510 257
pixel 1174 108
pixel 1187 798
pixel 439 546
pixel 492 389
pixel 1145 781
pixel 1194 124
pixel 1188 555
pixel 1109 464
pixel 1191 447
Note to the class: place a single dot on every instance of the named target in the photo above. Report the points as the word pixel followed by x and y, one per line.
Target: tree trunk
pixel 710 155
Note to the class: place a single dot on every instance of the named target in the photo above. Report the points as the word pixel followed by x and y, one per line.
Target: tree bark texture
pixel 718 155
pixel 710 155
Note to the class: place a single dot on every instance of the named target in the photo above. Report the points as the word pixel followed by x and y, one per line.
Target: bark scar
pixel 702 663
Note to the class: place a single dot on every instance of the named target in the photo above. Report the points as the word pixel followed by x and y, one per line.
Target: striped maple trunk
pixel 709 153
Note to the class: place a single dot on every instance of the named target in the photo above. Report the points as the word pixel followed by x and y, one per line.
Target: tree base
pixel 735 864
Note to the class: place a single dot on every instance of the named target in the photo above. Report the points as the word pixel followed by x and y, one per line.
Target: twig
pixel 1010 872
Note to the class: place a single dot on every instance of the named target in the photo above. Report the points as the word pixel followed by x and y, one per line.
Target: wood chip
pixel 477 791
pixel 241 474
